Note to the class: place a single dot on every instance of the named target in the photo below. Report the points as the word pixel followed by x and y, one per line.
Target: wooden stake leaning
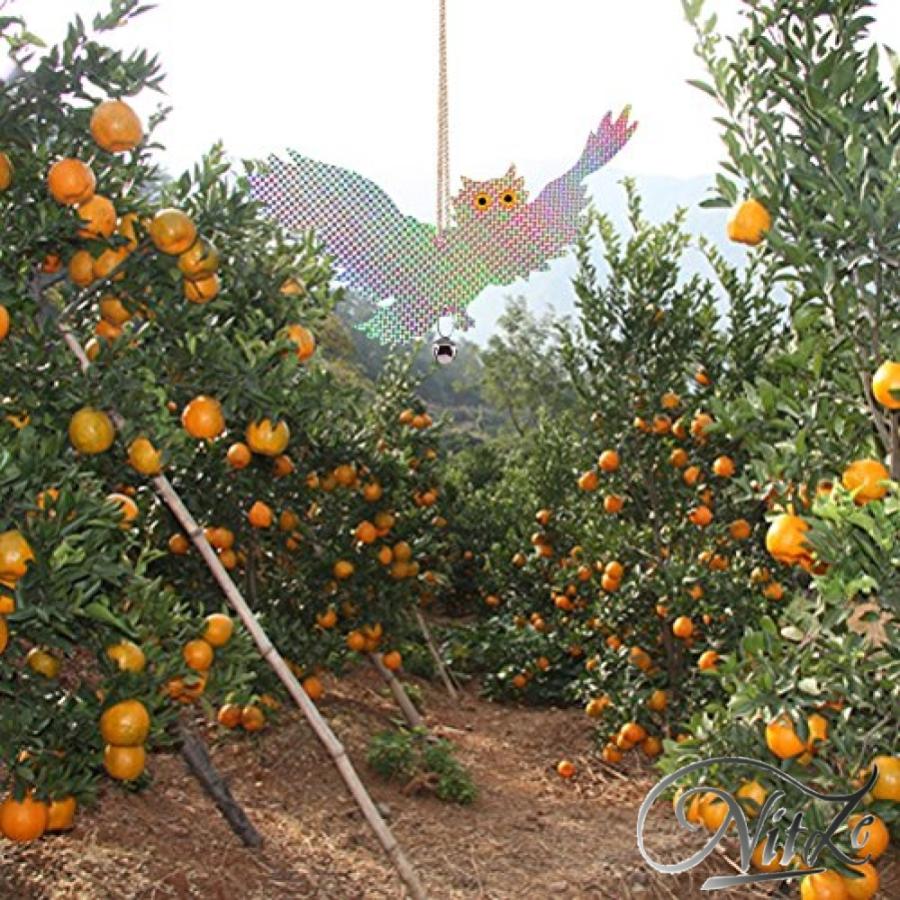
pixel 446 677
pixel 410 713
pixel 269 653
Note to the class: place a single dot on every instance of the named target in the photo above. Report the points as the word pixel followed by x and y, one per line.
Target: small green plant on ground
pixel 423 762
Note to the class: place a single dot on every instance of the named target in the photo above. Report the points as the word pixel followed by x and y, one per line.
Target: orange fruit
pixel 661 424
pixel 611 754
pixel 886 384
pixel 356 642
pixel 864 476
pixel 678 458
pixel 125 724
pixel 81 268
pixel 218 630
pixel 91 431
pixel 827 885
pixel 252 718
pixel 670 400
pixel 739 530
pixel 345 475
pixel 260 515
pixel 701 516
pixel 6 171
pixel 70 181
pixel 4 321
pixel 283 466
pixel 202 418
pixel 700 423
pixel 179 544
pixel 61 813
pixel 15 554
pixel 723 466
pixel 292 287
pixel 610 584
pixel 239 455
pixel 109 260
pixel 202 290
pixel 781 739
pixel 872 839
pixel 683 627
pixel 748 222
pixel 229 715
pixel 640 658
pixel 888 785
pixel 652 746
pixel 785 539
pixel 864 887
pixel 372 492
pixel 113 311
pixel 589 481
pixel 172 231
pixel 708 660
pixel 343 569
pixel 658 701
pixel 126 229
pixel 817 726
pixel 773 591
pixel 327 619
pixel 773 865
pixel 313 687
pixel 609 461
pixel 128 509
pixel 565 769
pixel 124 763
pixel 754 792
pixel 108 332
pixel 266 438
pixel 42 663
pixel 691 475
pixel 144 457
pixel 613 503
pixel 633 732
pixel 366 532
pixel 304 339
pixel 23 820
pixel 198 655
pixel 99 217
pixel 199 261
pixel 127 656
pixel 115 126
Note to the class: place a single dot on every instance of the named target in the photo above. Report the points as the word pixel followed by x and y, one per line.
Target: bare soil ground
pixel 529 835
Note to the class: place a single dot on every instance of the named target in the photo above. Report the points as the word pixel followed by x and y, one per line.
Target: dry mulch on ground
pixel 530 834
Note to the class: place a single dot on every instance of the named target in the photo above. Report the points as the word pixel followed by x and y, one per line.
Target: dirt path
pixel 529 835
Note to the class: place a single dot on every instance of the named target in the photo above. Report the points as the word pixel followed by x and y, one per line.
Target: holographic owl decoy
pixel 414 275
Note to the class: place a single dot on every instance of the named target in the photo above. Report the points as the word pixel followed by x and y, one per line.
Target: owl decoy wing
pixel 376 248
pixel 545 228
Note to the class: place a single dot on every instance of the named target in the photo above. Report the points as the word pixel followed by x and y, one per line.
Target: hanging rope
pixel 443 141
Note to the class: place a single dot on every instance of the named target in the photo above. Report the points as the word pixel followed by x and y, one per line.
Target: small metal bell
pixel 444 351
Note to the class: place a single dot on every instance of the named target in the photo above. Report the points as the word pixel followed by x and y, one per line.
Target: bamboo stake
pixel 269 653
pixel 410 713
pixel 446 677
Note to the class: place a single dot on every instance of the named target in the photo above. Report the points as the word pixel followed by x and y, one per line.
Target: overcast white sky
pixel 354 81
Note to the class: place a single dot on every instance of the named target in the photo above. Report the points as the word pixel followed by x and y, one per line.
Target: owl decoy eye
pixel 509 199
pixel 482 201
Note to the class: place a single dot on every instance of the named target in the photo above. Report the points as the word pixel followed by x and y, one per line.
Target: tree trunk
pixel 194 752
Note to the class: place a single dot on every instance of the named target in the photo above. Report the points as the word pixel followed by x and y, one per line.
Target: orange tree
pixel 196 317
pixel 811 132
pixel 643 566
